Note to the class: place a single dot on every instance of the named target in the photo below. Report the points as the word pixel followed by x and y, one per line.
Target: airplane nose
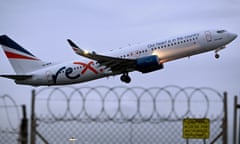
pixel 233 36
pixel 230 36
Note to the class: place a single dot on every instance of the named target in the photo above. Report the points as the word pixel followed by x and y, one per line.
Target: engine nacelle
pixel 148 64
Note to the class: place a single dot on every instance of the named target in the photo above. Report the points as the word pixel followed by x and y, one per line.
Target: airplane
pixel 143 57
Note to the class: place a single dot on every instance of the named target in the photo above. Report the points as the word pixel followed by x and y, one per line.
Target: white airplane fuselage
pixel 166 50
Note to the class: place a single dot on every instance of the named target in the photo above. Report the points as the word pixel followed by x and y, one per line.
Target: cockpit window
pixel 221 31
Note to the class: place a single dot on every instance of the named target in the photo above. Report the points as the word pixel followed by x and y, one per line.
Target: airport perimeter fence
pixel 123 115
pixel 13 121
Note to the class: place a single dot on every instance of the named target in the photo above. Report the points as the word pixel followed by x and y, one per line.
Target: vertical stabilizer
pixel 21 60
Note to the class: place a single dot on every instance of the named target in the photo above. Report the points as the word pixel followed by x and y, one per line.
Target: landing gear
pixel 217 56
pixel 125 78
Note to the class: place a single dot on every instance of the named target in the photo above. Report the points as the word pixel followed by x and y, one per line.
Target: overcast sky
pixel 43 27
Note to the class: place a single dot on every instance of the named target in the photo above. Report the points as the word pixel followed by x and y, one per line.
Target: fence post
pixel 236 106
pixel 225 119
pixel 23 137
pixel 33 119
pixel 235 120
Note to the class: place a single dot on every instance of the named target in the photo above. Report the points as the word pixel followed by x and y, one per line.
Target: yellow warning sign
pixel 196 128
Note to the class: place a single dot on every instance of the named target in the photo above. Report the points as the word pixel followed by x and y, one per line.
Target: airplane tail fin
pixel 21 60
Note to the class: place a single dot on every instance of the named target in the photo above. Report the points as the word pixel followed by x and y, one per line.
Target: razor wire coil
pixel 127 104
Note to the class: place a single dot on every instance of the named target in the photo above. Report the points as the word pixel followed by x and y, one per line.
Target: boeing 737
pixel 145 58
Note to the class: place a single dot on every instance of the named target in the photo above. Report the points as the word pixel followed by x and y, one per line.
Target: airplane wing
pixel 117 65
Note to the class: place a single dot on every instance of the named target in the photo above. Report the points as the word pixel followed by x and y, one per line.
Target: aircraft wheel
pixel 217 56
pixel 125 78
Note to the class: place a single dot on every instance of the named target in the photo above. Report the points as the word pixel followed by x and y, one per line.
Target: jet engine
pixel 148 64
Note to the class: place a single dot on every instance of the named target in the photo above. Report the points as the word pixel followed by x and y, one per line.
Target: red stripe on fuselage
pixel 18 56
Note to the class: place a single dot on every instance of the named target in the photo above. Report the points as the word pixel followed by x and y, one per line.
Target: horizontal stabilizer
pixel 17 77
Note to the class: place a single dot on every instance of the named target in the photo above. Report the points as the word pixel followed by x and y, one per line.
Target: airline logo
pixel 16 55
pixel 87 67
pixel 69 71
pixel 15 51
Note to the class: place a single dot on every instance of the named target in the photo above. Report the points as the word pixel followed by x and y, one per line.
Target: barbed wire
pixel 121 103
pixel 10 119
pixel 9 103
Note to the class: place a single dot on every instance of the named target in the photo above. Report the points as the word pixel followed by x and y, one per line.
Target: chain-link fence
pixel 123 115
pixel 10 120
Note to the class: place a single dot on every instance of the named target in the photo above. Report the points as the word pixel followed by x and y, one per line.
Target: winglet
pixel 76 48
pixel 72 44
